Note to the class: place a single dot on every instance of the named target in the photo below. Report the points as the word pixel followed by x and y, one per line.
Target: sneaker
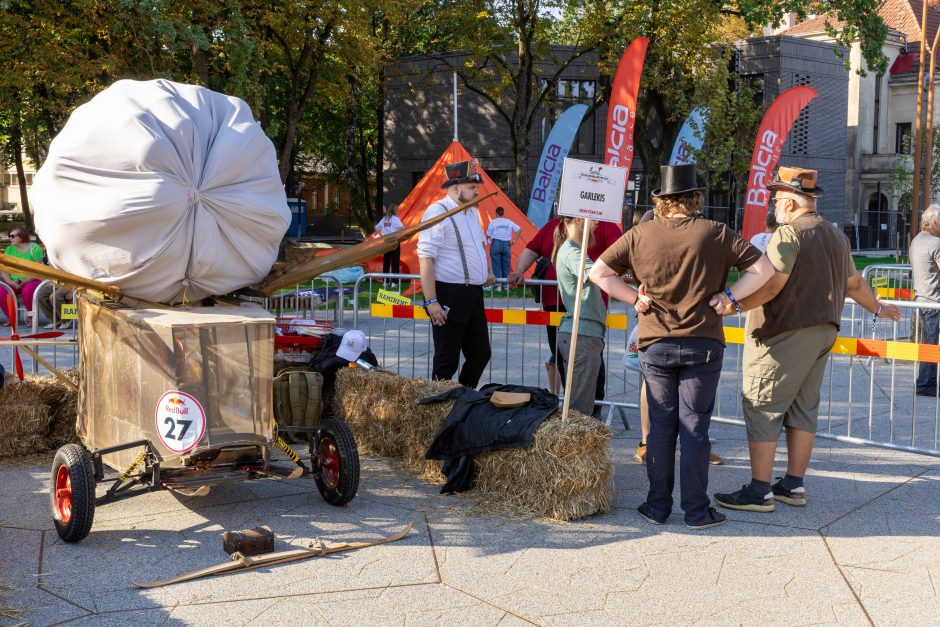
pixel 640 455
pixel 795 497
pixel 714 460
pixel 51 325
pixel 745 499
pixel 713 519
pixel 65 325
pixel 647 513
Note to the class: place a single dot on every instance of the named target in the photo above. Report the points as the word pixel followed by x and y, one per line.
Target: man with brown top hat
pixel 454 268
pixel 790 332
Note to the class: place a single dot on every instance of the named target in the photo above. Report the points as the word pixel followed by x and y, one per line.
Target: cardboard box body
pixel 214 363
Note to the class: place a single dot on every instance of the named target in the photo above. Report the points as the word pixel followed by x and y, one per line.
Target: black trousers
pixel 681 380
pixel 391 261
pixel 465 331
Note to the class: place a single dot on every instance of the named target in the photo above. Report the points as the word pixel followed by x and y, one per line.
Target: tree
pixel 55 55
pixel 510 61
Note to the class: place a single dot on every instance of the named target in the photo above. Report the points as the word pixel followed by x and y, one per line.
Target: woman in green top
pixel 592 323
pixel 20 246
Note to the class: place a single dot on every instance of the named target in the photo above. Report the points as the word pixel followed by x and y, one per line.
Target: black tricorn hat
pixel 461 172
pixel 679 179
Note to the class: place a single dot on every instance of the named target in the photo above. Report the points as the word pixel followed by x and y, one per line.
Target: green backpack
pixel 298 398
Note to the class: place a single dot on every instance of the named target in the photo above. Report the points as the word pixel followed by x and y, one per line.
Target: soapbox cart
pixel 182 399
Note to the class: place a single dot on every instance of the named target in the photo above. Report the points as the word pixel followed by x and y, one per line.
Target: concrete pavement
pixel 864 551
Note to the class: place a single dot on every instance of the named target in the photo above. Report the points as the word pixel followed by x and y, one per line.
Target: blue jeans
pixel 681 379
pixel 927 373
pixel 501 256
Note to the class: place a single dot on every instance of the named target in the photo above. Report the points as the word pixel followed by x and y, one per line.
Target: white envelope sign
pixel 592 190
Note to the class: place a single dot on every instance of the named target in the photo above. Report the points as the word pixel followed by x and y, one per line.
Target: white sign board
pixel 592 190
pixel 181 421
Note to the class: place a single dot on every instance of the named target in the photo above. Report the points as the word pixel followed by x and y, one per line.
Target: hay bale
pixel 565 474
pixel 24 418
pixel 62 401
pixel 380 408
pixel 36 414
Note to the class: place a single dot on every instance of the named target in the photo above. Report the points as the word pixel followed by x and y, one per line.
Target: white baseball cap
pixel 354 342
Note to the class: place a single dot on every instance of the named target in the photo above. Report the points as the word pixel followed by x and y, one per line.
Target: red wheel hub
pixel 329 462
pixel 62 499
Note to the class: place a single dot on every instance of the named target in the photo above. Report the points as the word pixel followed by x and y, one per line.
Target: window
pixel 902 139
pixel 569 92
pixel 500 177
pixel 799 135
pixel 11 179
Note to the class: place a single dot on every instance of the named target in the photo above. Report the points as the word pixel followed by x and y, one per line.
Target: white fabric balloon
pixel 160 188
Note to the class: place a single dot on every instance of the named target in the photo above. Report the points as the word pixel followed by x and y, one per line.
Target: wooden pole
pixel 576 316
pixel 928 152
pixel 915 188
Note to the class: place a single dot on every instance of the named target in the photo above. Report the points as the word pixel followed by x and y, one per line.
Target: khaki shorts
pixel 782 377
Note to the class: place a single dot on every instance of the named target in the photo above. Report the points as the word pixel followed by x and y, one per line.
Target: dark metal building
pixel 818 138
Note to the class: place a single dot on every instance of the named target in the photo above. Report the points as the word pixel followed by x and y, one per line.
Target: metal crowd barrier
pixel 326 301
pixel 868 394
pixel 519 349
pixel 53 354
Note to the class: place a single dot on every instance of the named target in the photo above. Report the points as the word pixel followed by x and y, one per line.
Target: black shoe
pixel 795 497
pixel 931 392
pixel 713 519
pixel 746 499
pixel 647 513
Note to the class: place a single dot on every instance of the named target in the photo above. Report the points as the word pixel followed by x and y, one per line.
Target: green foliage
pixel 735 110
pixel 314 71
pixel 848 22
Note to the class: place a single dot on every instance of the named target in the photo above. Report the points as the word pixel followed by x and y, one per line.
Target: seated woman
pixel 21 246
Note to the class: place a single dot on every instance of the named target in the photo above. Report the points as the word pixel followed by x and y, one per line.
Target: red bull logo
pixel 176 405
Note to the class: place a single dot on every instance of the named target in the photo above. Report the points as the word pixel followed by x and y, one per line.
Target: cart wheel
pixel 73 492
pixel 337 463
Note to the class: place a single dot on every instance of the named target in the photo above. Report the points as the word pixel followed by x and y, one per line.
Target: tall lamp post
pixel 918 132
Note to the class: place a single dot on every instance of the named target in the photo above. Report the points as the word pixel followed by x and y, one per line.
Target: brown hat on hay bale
pixel 564 475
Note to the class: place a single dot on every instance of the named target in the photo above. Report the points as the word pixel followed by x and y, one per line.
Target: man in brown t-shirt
pixel 680 260
pixel 789 335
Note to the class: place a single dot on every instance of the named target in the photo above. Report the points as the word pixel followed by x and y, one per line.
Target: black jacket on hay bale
pixel 564 475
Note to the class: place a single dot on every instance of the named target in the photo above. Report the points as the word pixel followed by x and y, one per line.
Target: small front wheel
pixel 72 494
pixel 336 465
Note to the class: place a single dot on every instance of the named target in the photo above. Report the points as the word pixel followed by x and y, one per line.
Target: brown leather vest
pixel 815 292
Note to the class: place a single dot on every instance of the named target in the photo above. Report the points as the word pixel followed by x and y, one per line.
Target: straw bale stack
pixel 36 415
pixel 565 474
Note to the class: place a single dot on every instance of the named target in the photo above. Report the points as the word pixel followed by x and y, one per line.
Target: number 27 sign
pixel 181 421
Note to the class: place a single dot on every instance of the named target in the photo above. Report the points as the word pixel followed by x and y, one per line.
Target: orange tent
pixel 428 190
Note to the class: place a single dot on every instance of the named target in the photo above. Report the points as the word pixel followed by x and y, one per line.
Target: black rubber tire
pixel 81 472
pixel 347 484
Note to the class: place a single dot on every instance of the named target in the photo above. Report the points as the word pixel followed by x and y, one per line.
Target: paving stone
pixel 888 551
pixel 117 554
pixel 19 574
pixel 430 605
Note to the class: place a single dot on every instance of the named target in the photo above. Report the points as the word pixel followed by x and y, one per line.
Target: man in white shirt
pixel 454 268
pixel 502 234
pixel 761 240
pixel 391 261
